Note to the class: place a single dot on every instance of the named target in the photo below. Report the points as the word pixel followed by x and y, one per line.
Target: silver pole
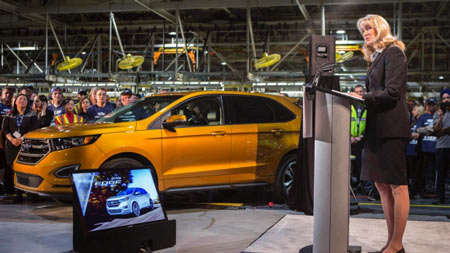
pixel 176 48
pixel 196 55
pixel 323 20
pixel 99 54
pixel 184 40
pixel 400 21
pixel 288 53
pixel 110 44
pixel 56 38
pixel 250 30
pixel 117 33
pixel 46 46
pixel 17 57
pixel 2 54
pixel 153 52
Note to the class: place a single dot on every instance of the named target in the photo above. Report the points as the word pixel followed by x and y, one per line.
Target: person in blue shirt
pixel 101 108
pixel 57 102
pixel 427 144
pixel 6 102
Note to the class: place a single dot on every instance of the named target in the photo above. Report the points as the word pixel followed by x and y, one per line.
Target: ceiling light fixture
pixel 172 33
pixel 441 77
pixel 224 63
pixel 341 32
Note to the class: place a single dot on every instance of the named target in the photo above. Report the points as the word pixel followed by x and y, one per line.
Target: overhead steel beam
pixel 7 7
pixel 162 13
pixel 290 51
pixel 303 10
pixel 414 53
pixel 414 40
pixel 400 21
pixel 250 30
pixel 230 13
pixel 33 61
pixel 86 60
pixel 442 38
pixel 113 20
pixel 322 7
pixel 71 7
pixel 57 40
pixel 184 40
pixel 441 8
pixel 17 57
pixel 223 59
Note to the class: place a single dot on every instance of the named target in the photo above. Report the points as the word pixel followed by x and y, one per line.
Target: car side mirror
pixel 174 120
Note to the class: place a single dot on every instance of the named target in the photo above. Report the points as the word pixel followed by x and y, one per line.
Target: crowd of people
pixel 28 110
pixel 428 150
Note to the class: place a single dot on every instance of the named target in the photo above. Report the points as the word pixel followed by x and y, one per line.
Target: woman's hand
pixel 16 142
pixel 354 94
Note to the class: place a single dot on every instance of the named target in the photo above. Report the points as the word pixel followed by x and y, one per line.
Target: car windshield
pixel 138 110
pixel 126 192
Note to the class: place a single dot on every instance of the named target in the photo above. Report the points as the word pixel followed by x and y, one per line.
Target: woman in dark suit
pixel 20 121
pixel 387 129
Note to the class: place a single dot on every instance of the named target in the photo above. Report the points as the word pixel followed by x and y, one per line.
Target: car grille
pixel 113 203
pixel 33 150
pixel 115 211
pixel 28 180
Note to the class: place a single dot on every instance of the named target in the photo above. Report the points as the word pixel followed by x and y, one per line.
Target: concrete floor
pixel 47 225
pixel 294 232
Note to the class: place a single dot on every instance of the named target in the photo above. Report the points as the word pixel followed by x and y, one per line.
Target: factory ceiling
pixel 222 31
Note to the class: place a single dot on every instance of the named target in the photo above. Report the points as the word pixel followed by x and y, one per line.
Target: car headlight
pixel 123 200
pixel 72 142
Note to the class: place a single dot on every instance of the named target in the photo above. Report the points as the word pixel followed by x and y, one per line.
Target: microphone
pixel 345 58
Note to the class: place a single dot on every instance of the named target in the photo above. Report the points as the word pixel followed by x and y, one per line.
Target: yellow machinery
pixel 130 61
pixel 267 60
pixel 69 63
pixel 191 54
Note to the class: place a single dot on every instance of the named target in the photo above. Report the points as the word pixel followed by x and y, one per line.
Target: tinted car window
pixel 282 114
pixel 126 192
pixel 250 109
pixel 139 110
pixel 202 111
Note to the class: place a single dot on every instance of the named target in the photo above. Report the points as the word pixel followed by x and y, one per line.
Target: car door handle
pixel 221 133
pixel 277 132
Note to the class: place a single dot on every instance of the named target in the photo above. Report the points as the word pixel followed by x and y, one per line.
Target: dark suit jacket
pixel 30 122
pixel 387 112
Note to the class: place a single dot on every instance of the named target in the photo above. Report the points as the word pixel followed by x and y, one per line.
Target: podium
pixel 326 117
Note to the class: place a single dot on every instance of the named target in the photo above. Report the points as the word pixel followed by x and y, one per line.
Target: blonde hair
pixel 383 37
pixel 419 110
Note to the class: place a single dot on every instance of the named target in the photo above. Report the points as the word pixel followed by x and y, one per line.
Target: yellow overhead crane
pixel 191 53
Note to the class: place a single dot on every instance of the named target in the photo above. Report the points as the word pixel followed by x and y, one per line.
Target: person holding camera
pixel 441 125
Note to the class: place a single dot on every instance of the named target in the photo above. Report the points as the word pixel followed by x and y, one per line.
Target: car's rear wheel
pixel 122 162
pixel 135 209
pixel 285 177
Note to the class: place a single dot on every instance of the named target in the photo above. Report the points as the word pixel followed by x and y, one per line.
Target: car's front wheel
pixel 285 177
pixel 121 162
pixel 151 206
pixel 136 209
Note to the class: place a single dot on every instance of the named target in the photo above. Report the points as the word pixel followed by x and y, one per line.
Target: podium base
pixel 351 249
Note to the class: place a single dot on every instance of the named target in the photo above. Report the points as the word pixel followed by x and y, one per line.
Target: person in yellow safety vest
pixel 69 116
pixel 81 94
pixel 357 128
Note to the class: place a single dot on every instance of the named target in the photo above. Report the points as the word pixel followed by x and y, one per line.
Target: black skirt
pixel 384 161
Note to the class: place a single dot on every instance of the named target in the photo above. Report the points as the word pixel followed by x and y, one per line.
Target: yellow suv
pixel 194 141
